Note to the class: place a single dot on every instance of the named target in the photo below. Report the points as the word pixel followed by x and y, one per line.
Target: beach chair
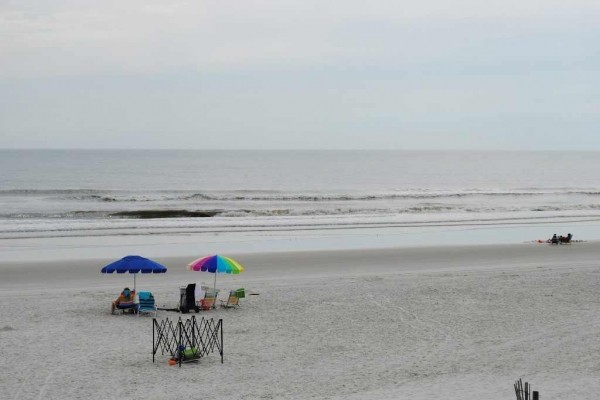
pixel 125 306
pixel 209 300
pixel 232 300
pixel 146 304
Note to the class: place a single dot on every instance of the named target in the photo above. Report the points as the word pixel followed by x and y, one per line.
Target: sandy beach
pixel 387 174
pixel 398 323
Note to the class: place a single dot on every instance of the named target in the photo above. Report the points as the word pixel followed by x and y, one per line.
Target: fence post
pixel 153 328
pixel 179 351
pixel 222 344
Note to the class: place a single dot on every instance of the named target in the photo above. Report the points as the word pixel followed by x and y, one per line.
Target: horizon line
pixel 287 149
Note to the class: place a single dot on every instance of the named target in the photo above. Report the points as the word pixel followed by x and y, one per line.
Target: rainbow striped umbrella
pixel 216 264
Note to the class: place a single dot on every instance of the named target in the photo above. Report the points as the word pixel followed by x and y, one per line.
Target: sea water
pixel 117 193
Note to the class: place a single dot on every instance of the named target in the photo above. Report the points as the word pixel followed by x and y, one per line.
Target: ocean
pixel 75 193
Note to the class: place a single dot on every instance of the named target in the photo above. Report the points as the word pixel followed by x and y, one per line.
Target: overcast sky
pixel 272 74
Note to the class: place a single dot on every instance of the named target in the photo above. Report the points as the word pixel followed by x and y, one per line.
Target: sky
pixel 300 74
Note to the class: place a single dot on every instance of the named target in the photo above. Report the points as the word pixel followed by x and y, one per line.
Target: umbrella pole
pixel 215 284
pixel 134 283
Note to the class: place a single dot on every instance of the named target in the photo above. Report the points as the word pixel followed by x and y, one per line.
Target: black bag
pixel 187 299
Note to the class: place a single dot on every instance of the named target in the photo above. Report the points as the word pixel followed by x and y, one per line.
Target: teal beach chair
pixel 146 303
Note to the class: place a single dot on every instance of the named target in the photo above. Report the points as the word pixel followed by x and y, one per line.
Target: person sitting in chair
pixel 566 239
pixel 124 301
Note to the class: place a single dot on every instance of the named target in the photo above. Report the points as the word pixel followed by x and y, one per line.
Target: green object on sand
pixel 190 353
pixel 240 293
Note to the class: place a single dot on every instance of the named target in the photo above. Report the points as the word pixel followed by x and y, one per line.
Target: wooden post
pixel 523 392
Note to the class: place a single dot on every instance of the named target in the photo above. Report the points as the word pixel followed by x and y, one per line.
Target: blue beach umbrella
pixel 134 265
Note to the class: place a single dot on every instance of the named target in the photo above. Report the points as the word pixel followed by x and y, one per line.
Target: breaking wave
pixel 81 211
pixel 248 195
pixel 282 212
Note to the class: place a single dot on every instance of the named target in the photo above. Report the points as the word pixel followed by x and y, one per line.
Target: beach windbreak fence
pixel 187 340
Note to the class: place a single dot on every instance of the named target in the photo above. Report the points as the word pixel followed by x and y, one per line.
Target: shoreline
pixel 395 260
pixel 163 245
